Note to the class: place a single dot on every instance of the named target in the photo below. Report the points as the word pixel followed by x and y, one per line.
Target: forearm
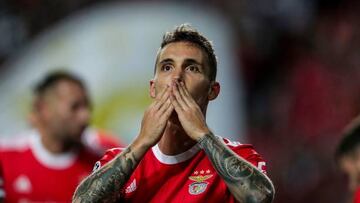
pixel 246 182
pixel 105 184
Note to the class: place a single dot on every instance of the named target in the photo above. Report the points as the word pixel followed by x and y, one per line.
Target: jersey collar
pixel 48 159
pixel 175 159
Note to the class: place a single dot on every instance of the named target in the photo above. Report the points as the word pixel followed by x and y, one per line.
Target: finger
pixel 175 104
pixel 184 93
pixel 162 93
pixel 168 111
pixel 165 96
pixel 177 96
pixel 165 106
pixel 182 84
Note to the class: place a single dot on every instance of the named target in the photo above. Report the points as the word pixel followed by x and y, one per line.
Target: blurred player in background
pixel 176 157
pixel 348 158
pixel 46 163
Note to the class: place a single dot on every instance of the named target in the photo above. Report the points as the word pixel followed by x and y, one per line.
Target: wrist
pixel 202 135
pixel 204 139
pixel 141 145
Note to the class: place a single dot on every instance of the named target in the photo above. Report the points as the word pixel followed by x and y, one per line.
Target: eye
pixel 193 68
pixel 166 67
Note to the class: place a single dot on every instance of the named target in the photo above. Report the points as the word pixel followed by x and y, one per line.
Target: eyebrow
pixel 187 61
pixel 193 61
pixel 167 60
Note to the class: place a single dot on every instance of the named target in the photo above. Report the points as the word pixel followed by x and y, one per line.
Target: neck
pixel 174 140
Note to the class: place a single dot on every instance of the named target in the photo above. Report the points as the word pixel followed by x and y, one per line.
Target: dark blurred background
pixel 300 62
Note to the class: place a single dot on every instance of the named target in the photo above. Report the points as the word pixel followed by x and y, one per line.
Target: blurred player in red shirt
pixel 176 157
pixel 348 158
pixel 46 164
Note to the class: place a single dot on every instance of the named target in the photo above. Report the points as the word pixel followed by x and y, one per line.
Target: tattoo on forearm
pixel 245 180
pixel 105 184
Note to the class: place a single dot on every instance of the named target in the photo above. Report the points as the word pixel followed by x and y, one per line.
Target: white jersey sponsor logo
pixel 131 187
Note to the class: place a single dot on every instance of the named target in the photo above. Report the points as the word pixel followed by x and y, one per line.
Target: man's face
pixel 66 111
pixel 186 62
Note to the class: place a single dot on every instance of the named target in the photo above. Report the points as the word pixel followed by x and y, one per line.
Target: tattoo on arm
pixel 105 184
pixel 246 183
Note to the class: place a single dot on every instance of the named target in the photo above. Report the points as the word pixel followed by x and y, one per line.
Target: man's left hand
pixel 189 113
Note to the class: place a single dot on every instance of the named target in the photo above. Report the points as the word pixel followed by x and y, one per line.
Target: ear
pixel 152 90
pixel 214 90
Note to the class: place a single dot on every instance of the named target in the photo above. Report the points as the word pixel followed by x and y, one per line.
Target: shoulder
pixel 108 156
pixel 237 146
pixel 18 143
pixel 111 153
pixel 247 152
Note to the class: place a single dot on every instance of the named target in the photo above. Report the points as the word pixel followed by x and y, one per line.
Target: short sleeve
pixel 109 155
pixel 247 152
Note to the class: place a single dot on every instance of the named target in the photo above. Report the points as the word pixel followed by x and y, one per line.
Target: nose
pixel 178 75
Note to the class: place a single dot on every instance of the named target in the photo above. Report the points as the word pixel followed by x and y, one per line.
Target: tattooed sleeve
pixel 105 184
pixel 246 182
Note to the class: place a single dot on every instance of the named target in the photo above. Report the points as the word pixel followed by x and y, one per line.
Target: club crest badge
pixel 200 184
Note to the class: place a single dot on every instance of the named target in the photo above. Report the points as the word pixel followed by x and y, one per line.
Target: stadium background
pixel 289 71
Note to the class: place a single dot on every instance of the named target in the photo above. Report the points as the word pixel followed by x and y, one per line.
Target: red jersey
pixel 187 177
pixel 357 196
pixel 29 173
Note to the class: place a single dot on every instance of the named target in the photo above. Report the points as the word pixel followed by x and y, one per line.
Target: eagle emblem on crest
pixel 200 184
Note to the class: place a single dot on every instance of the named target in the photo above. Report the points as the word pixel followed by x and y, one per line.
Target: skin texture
pixel 176 121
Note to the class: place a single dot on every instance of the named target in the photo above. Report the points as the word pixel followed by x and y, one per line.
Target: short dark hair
pixel 51 80
pixel 350 140
pixel 186 33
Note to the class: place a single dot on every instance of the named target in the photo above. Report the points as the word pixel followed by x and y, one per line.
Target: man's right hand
pixel 104 184
pixel 155 118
